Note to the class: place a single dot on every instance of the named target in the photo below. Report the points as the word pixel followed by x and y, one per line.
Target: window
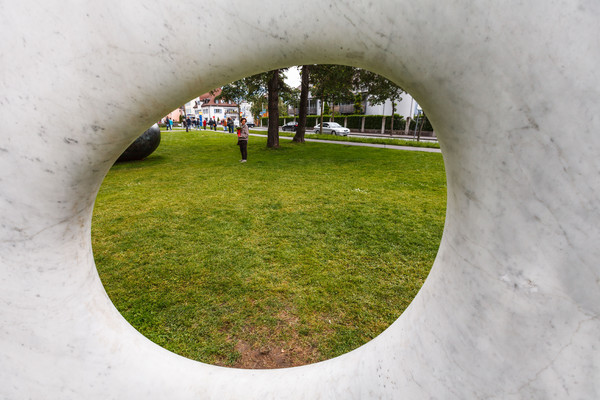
pixel 218 111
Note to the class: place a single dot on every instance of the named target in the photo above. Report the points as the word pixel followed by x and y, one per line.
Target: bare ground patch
pixel 281 347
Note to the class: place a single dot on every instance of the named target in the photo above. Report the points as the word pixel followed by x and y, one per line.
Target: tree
pixel 419 123
pixel 236 91
pixel 333 83
pixel 283 107
pixel 256 86
pixel 258 102
pixel 290 97
pixel 358 104
pixel 273 85
pixel 303 106
pixel 379 90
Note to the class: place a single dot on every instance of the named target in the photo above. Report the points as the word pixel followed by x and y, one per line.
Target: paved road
pixel 382 146
pixel 368 135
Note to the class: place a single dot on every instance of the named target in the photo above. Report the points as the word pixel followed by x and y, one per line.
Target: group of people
pixel 228 125
pixel 189 123
pixel 169 124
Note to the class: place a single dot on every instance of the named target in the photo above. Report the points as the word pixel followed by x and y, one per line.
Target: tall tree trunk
pixel 273 93
pixel 301 129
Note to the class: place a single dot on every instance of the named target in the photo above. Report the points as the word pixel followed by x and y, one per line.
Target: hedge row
pixel 426 125
pixel 354 122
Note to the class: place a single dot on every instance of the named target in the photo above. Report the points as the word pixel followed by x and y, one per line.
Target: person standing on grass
pixel 204 123
pixel 243 134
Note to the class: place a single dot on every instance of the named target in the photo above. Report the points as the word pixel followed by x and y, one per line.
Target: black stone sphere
pixel 143 146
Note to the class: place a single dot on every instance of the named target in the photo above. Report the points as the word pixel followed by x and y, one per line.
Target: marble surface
pixel 511 307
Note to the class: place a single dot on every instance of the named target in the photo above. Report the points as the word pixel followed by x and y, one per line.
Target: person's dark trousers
pixel 244 149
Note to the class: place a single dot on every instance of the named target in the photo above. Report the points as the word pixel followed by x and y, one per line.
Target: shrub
pixel 373 121
pixel 426 125
pixel 399 122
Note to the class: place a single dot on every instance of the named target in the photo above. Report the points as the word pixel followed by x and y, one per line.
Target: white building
pixel 407 107
pixel 189 110
pixel 207 107
pixel 218 109
pixel 245 112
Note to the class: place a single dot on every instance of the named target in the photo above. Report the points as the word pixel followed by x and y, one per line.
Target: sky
pixel 293 77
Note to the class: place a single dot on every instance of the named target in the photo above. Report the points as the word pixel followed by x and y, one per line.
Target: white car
pixel 333 128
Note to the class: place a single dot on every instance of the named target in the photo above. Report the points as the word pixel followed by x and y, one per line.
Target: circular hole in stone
pixel 302 254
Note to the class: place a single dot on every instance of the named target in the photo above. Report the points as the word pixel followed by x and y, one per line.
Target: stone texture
pixel 143 146
pixel 511 307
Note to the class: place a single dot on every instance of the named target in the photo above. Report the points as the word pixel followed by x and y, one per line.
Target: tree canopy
pixel 255 87
pixel 336 84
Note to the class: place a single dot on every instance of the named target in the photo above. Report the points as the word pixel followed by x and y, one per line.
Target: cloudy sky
pixel 293 77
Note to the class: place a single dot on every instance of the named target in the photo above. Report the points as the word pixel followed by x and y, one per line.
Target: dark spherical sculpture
pixel 143 146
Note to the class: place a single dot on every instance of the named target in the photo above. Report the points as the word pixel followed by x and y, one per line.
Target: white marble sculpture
pixel 511 307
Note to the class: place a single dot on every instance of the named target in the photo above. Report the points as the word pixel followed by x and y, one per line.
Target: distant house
pixel 206 107
pixel 175 115
pixel 217 108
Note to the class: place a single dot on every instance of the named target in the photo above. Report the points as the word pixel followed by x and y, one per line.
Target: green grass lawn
pixel 302 254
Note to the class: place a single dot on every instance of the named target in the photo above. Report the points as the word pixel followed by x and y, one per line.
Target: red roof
pixel 208 99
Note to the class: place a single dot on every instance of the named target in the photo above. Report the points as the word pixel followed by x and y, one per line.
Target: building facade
pixel 218 109
pixel 407 107
pixel 207 107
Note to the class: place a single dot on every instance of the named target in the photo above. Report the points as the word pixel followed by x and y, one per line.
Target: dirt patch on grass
pixel 281 347
pixel 262 358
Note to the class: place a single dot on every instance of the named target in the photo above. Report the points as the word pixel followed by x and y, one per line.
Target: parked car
pixel 290 126
pixel 250 124
pixel 332 128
